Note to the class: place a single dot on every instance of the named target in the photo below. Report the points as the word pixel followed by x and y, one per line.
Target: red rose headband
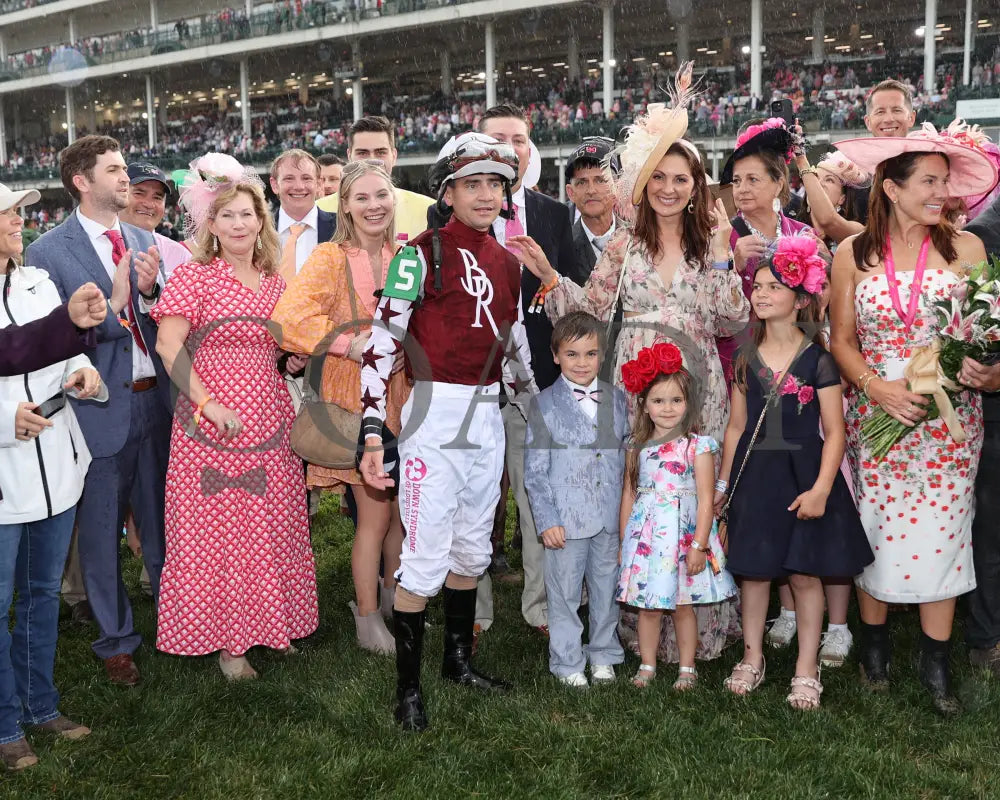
pixel 796 264
pixel 660 359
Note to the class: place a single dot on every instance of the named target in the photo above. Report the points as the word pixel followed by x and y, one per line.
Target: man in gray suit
pixel 574 465
pixel 128 436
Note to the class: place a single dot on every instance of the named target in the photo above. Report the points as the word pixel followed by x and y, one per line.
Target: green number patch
pixel 406 271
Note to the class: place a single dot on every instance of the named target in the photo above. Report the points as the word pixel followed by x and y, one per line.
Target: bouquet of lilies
pixel 969 327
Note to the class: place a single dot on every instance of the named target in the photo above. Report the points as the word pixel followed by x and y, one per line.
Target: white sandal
pixel 745 687
pixel 687 678
pixel 811 703
pixel 644 675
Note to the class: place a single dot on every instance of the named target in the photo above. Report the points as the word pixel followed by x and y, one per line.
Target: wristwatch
pixel 151 297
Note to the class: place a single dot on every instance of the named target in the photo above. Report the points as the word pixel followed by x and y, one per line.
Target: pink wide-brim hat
pixel 971 171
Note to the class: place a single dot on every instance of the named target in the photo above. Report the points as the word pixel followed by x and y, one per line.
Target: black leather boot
pixel 459 619
pixel 408 628
pixel 932 667
pixel 874 655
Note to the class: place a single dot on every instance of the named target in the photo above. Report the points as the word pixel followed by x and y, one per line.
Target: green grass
pixel 320 724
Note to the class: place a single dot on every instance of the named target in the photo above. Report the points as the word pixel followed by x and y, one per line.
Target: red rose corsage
pixel 660 359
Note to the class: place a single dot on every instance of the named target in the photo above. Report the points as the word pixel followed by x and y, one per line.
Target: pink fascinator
pixel 209 175
pixel 845 170
pixel 797 265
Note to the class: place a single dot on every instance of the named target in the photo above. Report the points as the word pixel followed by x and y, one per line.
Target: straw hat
pixel 648 139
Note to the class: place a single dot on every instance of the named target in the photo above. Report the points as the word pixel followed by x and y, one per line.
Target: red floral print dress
pixel 916 505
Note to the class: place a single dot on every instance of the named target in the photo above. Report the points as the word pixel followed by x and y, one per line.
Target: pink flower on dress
pixel 806 395
pixel 643 549
pixel 789 386
pixel 676 467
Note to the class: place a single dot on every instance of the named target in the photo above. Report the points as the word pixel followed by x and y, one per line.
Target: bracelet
pixel 721 485
pixel 701 547
pixel 722 265
pixel 200 408
pixel 866 381
pixel 809 171
pixel 539 299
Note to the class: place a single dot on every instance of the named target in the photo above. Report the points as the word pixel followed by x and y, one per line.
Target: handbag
pixel 327 434
pixel 723 524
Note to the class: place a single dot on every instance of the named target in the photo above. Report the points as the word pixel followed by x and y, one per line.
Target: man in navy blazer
pixel 128 436
pixel 298 220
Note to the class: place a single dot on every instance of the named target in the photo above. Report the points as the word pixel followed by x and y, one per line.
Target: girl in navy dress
pixel 791 515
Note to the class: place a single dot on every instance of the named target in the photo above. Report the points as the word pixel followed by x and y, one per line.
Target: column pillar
pixel 447 87
pixel 608 40
pixel 70 121
pixel 683 50
pixel 154 17
pixel 573 55
pixel 249 8
pixel 3 49
pixel 17 123
pixel 245 96
pixel 357 93
pixel 72 29
pixel 967 51
pixel 3 134
pixel 818 33
pixel 491 66
pixel 150 112
pixel 756 40
pixel 930 45
pixel 561 162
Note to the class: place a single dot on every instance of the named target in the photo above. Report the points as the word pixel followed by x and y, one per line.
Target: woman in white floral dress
pixel 677 286
pixel 916 504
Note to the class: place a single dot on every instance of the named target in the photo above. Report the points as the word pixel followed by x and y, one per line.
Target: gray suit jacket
pixel 65 252
pixel 573 465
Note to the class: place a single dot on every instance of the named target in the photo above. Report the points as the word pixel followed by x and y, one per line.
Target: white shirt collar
pixel 285 221
pixel 95 230
pixel 591 235
pixel 518 197
pixel 589 387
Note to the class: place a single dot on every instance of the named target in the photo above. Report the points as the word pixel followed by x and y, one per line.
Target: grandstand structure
pixel 74 65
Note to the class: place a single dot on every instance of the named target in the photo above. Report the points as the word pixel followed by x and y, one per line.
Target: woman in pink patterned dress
pixel 916 504
pixel 239 570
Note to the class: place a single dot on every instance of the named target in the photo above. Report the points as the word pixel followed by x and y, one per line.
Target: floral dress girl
pixel 660 531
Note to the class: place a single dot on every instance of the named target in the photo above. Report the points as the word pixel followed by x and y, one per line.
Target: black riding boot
pixel 408 628
pixel 932 667
pixel 459 619
pixel 874 655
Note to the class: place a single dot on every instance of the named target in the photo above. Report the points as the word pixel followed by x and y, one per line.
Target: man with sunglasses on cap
pixel 452 304
pixel 590 187
pixel 148 191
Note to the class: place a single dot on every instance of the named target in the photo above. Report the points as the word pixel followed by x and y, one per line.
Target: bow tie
pixel 214 482
pixel 593 394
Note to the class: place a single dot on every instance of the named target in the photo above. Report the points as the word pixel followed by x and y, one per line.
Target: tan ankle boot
pixel 386 600
pixel 372 633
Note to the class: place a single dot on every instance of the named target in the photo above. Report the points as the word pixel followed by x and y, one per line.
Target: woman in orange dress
pixel 316 315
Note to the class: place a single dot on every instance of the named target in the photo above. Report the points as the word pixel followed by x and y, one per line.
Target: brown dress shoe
pixel 18 755
pixel 64 727
pixel 987 659
pixel 122 670
pixel 82 613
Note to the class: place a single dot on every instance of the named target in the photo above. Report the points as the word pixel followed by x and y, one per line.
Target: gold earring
pixel 260 244
pixel 215 243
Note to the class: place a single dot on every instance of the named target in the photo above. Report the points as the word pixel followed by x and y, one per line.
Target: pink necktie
pixel 513 226
pixel 117 251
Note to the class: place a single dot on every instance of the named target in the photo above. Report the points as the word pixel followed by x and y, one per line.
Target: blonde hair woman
pixel 327 310
pixel 239 568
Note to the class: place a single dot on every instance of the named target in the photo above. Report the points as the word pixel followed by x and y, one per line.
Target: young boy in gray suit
pixel 574 466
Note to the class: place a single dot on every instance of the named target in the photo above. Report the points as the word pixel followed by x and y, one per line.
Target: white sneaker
pixel 602 673
pixel 781 632
pixel 836 647
pixel 577 680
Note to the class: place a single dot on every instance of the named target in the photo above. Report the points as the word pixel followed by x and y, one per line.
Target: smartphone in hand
pixel 783 109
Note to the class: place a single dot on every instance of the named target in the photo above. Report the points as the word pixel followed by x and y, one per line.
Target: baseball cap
pixel 591 149
pixel 140 172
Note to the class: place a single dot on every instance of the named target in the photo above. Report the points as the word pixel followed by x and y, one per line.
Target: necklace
pixel 916 285
pixel 758 234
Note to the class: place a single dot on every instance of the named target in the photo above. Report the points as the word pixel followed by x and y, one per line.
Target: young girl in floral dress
pixel 790 512
pixel 671 557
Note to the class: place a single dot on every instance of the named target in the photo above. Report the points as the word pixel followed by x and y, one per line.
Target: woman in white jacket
pixel 43 461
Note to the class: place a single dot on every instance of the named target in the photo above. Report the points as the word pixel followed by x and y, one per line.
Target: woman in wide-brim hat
pixel 834 205
pixel 671 275
pixel 757 170
pixel 917 503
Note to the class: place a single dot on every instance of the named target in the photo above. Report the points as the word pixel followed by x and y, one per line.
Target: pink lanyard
pixel 915 286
